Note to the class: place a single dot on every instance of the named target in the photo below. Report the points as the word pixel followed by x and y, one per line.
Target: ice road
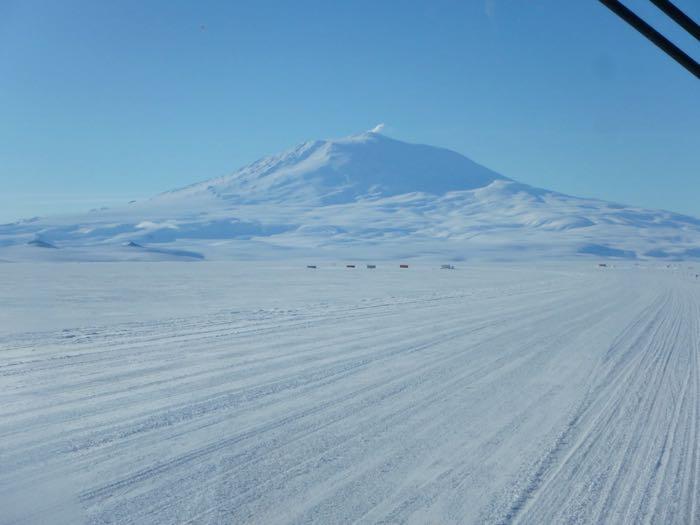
pixel 242 393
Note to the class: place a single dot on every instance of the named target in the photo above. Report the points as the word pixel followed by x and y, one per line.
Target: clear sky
pixel 102 102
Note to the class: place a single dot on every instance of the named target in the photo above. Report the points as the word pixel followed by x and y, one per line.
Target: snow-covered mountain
pixel 365 196
pixel 341 171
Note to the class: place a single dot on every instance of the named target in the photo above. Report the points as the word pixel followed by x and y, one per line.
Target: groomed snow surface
pixel 267 393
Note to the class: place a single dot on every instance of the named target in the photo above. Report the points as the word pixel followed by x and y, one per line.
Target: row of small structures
pixel 374 266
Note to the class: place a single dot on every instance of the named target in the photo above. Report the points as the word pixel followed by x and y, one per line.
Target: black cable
pixel 652 34
pixel 679 17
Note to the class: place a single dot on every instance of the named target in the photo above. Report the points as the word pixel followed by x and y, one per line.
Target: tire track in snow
pixel 628 422
pixel 451 408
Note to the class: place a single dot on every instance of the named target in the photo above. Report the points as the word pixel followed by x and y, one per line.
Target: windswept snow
pixel 366 196
pixel 262 393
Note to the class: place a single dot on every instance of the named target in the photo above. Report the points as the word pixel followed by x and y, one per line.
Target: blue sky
pixel 102 102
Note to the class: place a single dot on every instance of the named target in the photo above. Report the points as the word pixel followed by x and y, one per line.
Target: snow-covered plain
pixel 271 393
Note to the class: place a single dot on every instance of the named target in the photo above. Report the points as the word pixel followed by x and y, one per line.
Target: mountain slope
pixel 340 171
pixel 366 196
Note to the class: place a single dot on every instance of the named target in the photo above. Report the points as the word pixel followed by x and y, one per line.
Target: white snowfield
pixel 258 393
